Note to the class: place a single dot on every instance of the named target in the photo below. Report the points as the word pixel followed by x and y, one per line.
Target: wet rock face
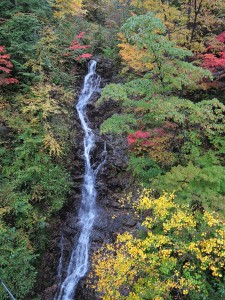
pixel 112 181
pixel 106 69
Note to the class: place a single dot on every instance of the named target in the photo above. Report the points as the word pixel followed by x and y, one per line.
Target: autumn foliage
pixel 76 47
pixel 146 136
pixel 5 68
pixel 133 58
pixel 63 8
pixel 171 139
pixel 157 143
pixel 214 60
pixel 178 254
pixel 221 37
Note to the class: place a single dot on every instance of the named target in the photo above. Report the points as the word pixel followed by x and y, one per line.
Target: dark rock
pixel 97 236
pixel 69 233
pixel 102 221
pixel 115 204
pixel 72 222
pixel 50 292
pixel 129 221
pixel 116 225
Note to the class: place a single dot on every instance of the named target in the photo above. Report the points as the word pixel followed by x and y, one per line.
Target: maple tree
pixel 157 143
pixel 6 68
pixel 214 60
pixel 221 37
pixel 76 48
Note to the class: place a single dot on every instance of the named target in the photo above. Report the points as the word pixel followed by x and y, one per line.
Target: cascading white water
pixel 60 265
pixel 78 265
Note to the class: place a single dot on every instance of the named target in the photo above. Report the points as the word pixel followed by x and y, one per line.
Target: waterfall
pixel 60 265
pixel 78 265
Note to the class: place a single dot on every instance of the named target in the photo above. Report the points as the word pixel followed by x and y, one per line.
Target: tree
pixel 34 184
pixel 76 48
pixel 165 73
pixel 64 8
pixel 201 181
pixel 189 131
pixel 5 68
pixel 40 8
pixel 214 60
pixel 203 16
pixel 157 143
pixel 178 254
pixel 36 131
pixel 16 262
pixel 188 22
pixel 167 11
pixel 170 139
pixel 20 34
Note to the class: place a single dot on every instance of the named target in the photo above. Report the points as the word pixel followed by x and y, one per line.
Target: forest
pixel 164 103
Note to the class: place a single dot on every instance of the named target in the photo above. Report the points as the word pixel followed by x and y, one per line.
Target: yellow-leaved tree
pixel 133 57
pixel 177 254
pixel 64 8
pixel 40 109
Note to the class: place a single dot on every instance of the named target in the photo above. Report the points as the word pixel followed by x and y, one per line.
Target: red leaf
pixel 131 139
pixel 83 56
pixel 5 62
pixel 5 56
pixel 160 132
pixel 142 134
pixel 80 35
pixel 5 68
pixel 74 47
pixel 6 81
pixel 221 37
pixel 212 62
pixel 2 49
